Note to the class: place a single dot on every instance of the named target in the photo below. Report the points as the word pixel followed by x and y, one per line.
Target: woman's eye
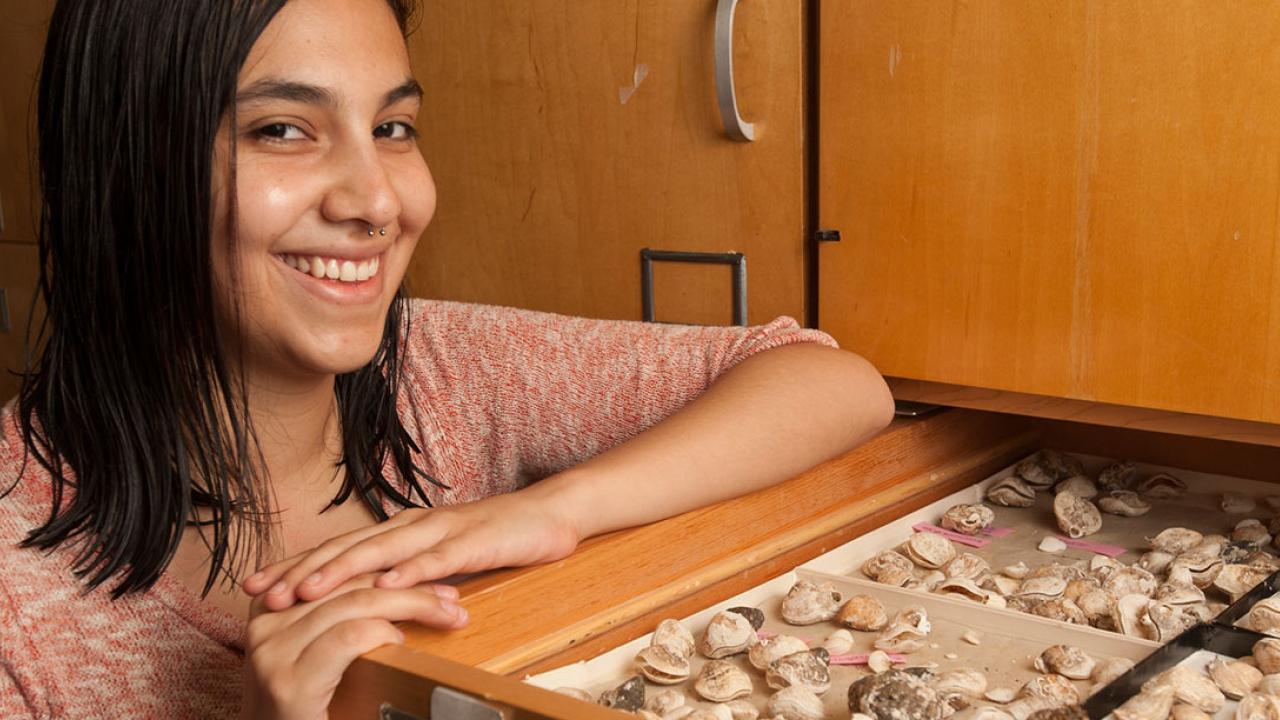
pixel 280 131
pixel 395 130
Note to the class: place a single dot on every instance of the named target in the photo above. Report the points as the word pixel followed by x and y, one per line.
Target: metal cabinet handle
pixel 734 125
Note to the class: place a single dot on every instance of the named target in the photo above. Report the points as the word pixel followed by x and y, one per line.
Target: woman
pixel 228 377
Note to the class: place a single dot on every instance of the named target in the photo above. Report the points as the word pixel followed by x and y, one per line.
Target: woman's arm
pixel 773 416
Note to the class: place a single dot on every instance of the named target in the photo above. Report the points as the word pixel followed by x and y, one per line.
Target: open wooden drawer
pixel 617 588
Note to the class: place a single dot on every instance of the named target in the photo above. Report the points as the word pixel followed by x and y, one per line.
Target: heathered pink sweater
pixel 503 397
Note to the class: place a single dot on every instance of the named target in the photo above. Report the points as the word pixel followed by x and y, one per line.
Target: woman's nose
pixel 361 189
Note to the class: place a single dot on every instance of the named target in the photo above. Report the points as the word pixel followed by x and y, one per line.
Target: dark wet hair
pixel 131 403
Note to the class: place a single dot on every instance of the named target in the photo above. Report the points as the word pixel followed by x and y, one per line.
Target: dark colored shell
pixel 753 615
pixel 627 696
pixel 1068 712
pixel 895 695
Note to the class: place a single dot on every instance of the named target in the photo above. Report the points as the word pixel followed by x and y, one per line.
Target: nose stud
pixel 381 231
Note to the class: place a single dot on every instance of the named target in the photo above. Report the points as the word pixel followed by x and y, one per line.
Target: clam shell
pixel 753 615
pixel 1129 581
pixel 1169 621
pixel 896 577
pixel 1055 688
pixel 1234 678
pixel 877 565
pixel 929 550
pixel 863 612
pixel 1250 532
pixel 1118 476
pixel 907 633
pixel 1237 504
pixel 674 637
pixel 966 565
pixel 1066 712
pixel 1266 653
pixel 1191 687
pixel 1060 464
pixel 1076 516
pixel 627 696
pixel 727 633
pixel 1059 608
pixel 839 642
pixel 662 666
pixel 895 695
pixel 765 652
pixel 663 702
pixel 1108 669
pixel 1178 593
pixel 1270 684
pixel 1017 571
pixel 1077 588
pixel 802 668
pixel 959 688
pixel 722 681
pixel 807 603
pixel 1066 660
pixel 1130 616
pixel 1212 544
pixel 1034 473
pixel 1044 587
pixel 968 519
pixel 1011 492
pixel 1001 584
pixel 1161 486
pixel 1051 544
pixel 719 711
pixel 1077 485
pixel 1095 604
pixel 1257 706
pixel 1236 580
pixel 795 703
pixel 1202 568
pixel 1155 562
pixel 985 712
pixel 742 710
pixel 1124 503
pixel 1153 704
pixel 964 588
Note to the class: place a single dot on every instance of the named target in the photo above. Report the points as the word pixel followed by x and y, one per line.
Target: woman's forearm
pixel 773 416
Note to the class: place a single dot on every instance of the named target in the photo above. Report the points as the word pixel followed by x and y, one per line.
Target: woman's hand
pixel 295 658
pixel 420 545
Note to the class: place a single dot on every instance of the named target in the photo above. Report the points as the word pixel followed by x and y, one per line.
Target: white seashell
pixel 742 710
pixel 839 642
pixel 1237 504
pixel 879 661
pixel 1066 660
pixel 802 668
pixel 932 579
pixel 674 637
pixel 1130 580
pixel 1178 593
pixel 877 565
pixel 929 550
pixel 663 702
pixel 959 688
pixel 727 633
pixel 1236 580
pixel 1175 540
pixel 660 665
pixel 1152 704
pixel 907 633
pixel 1192 687
pixel 971 637
pixel 1270 684
pixel 1108 669
pixel 1042 587
pixel 1078 485
pixel 1000 694
pixel 1155 562
pixel 1130 616
pixel 968 519
pixel 1017 571
pixel 795 703
pixel 1234 678
pixel 766 652
pixel 722 681
pixel 1168 621
pixel 1052 544
pixel 1001 584
pixel 1055 688
pixel 1212 544
pixel 1264 617
pixel 863 612
pixel 964 588
pixel 984 712
pixel 1266 653
pixel 1201 569
pixel 1125 503
pixel 1076 516
pixel 1256 706
pixel 1011 492
pixel 719 711
pixel 807 603
pixel 966 565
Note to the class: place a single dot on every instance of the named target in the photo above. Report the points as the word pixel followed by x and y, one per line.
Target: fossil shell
pixel 966 565
pixel 1263 561
pixel 895 695
pixel 1108 669
pixel 1001 584
pixel 879 661
pixel 929 550
pixel 1236 580
pixel 1034 473
pixel 662 666
pixel 719 711
pixel 1066 660
pixel 722 681
pixel 1175 540
pixel 896 577
pixel 1060 464
pixel 754 615
pixel 1266 653
pixel 985 712
pixel 1152 704
pixel 807 603
pixel 1169 621
pixel 1264 617
pixel 1118 476
pixel 764 653
pixel 802 668
pixel 663 702
pixel 1066 712
pixel 1178 593
pixel 1202 569
pixel 1043 587
pixel 576 693
pixel 674 637
pixel 1076 516
pixel 959 688
pixel 1251 532
pixel 1055 688
pixel 966 589
pixel 1078 485
pixel 1237 504
pixel 1270 684
pixel 1190 686
pixel 1059 608
pixel 1234 678
pixel 1095 604
pixel 1011 492
pixel 1052 544
pixel 1155 562
pixel 1130 580
pixel 795 703
pixel 1101 567
pixel 907 633
pixel 1161 486
pixel 727 633
pixel 863 612
pixel 877 565
pixel 1059 570
pixel 627 696
pixel 1017 571
pixel 1212 544
pixel 1125 503
pixel 1257 706
pixel 742 710
pixel 1130 616
pixel 968 519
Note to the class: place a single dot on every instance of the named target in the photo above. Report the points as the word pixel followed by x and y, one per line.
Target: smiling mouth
pixel 333 268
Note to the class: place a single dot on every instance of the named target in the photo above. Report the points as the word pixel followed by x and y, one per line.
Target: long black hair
pixel 132 405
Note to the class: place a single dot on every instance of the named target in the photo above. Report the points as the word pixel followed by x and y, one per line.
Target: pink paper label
pixel 861 659
pixel 997 532
pixel 952 536
pixel 765 634
pixel 1099 548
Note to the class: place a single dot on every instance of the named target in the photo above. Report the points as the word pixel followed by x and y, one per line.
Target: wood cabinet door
pixel 23 26
pixel 1076 199
pixel 18 263
pixel 566 137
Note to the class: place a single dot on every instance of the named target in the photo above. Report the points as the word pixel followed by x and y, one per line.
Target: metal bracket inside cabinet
pixel 735 260
pixel 389 712
pixel 449 704
pixel 5 325
pixel 911 408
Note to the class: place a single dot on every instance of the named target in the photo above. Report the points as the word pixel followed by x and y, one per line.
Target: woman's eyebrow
pixel 293 91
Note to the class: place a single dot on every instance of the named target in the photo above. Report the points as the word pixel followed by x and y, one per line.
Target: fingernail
pixel 390 576
pixel 449 607
pixel 277 588
pixel 462 615
pixel 314 579
pixel 256 577
pixel 446 591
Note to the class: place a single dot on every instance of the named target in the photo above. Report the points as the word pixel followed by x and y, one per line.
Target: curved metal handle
pixel 734 125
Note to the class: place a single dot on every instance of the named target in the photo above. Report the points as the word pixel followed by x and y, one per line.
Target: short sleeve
pixel 538 392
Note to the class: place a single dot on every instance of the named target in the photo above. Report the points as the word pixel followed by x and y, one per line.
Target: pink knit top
pixel 496 397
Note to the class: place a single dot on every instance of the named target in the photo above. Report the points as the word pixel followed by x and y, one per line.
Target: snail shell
pixel 807 603
pixel 1076 516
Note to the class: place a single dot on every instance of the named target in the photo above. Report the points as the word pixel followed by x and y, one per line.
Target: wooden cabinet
pixel 23 24
pixel 1075 199
pixel 566 137
pixel 18 271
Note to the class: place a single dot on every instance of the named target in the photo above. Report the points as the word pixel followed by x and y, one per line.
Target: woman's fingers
pixel 377 552
pixel 266 578
pixel 448 558
pixel 420 605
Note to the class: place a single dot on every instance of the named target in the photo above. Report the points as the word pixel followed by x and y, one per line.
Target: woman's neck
pixel 299 435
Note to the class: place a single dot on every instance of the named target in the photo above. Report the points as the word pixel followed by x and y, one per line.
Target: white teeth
pixel 332 268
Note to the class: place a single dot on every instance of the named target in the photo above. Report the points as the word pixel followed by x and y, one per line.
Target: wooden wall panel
pixel 1073 199
pixel 18 280
pixel 23 25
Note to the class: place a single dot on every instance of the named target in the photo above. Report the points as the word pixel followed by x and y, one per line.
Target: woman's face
pixel 324 152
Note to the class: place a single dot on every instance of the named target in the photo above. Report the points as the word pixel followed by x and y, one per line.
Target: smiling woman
pixel 228 378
